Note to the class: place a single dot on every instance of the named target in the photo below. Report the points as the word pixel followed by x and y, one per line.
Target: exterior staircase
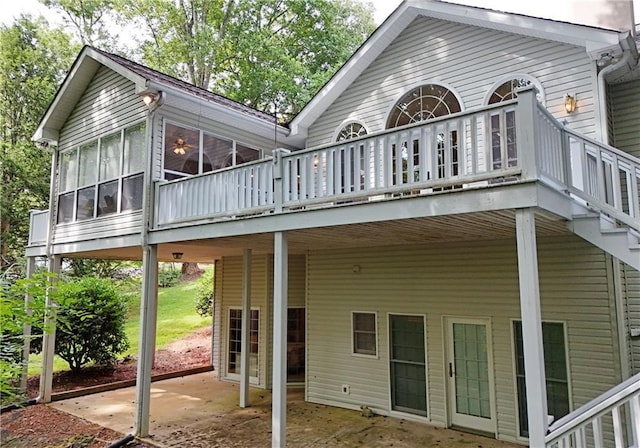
pixel 618 240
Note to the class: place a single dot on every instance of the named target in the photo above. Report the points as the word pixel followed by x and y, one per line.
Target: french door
pixel 469 371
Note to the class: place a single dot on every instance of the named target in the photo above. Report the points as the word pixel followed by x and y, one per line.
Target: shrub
pixel 90 323
pixel 168 277
pixel 204 293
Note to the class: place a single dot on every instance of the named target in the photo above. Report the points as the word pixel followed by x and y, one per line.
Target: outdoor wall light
pixel 570 103
pixel 177 255
pixel 148 98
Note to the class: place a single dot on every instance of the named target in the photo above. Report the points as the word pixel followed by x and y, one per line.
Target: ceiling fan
pixel 180 146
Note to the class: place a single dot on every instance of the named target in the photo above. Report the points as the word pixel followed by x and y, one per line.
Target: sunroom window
pixel 189 151
pixel 102 177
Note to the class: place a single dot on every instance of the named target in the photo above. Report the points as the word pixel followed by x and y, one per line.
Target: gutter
pixel 626 59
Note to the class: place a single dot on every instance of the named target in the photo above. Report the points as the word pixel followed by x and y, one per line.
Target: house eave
pixel 80 75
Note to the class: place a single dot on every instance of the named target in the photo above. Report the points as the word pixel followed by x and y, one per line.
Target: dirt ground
pixel 41 426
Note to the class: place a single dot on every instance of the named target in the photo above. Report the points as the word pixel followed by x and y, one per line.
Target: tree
pixel 204 292
pixel 33 62
pixel 88 18
pixel 269 54
pixel 91 318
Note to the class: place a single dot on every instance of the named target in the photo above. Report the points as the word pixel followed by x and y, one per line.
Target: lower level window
pixel 365 341
pixel 235 340
pixel 555 366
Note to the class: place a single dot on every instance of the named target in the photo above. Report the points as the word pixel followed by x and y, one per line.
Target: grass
pixel 177 318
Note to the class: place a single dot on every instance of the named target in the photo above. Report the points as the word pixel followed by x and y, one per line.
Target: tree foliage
pixel 204 292
pixel 88 18
pixel 13 316
pixel 269 54
pixel 90 323
pixel 33 61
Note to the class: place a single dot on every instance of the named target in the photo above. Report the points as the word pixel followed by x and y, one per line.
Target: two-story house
pixel 447 232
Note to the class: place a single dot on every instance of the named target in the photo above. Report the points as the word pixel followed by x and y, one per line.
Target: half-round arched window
pixel 423 103
pixel 506 90
pixel 351 130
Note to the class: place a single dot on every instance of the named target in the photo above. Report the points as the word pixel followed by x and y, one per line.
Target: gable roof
pixel 145 79
pixel 595 41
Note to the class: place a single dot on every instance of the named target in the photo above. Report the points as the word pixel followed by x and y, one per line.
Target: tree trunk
pixel 190 269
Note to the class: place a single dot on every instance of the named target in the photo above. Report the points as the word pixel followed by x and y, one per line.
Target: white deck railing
pixel 614 415
pixel 38 227
pixel 246 189
pixel 461 150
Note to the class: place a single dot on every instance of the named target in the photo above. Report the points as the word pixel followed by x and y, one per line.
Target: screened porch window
pixel 365 340
pixel 190 151
pixel 102 177
pixel 555 367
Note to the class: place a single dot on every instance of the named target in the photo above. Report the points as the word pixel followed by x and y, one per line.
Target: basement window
pixel 365 339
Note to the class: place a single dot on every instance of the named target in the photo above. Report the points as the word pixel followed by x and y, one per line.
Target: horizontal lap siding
pixel 469 60
pixel 631 290
pixel 104 227
pixel 109 103
pixel 472 280
pixel 625 111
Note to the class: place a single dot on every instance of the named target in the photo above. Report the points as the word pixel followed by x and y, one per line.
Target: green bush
pixel 168 277
pixel 204 293
pixel 90 323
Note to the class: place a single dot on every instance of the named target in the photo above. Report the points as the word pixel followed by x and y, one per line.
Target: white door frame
pixel 463 420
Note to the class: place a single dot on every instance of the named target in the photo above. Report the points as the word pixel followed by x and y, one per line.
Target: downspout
pixel 602 96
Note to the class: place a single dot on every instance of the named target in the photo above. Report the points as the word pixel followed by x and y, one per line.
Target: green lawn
pixel 176 318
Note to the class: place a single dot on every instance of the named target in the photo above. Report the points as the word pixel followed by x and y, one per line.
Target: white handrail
pixel 570 430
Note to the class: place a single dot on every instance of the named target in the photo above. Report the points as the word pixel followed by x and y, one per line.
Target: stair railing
pixel 586 426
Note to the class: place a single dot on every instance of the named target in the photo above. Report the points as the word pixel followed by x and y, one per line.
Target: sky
pixel 552 9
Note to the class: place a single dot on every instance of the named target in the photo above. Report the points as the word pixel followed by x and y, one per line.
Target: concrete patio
pixel 199 411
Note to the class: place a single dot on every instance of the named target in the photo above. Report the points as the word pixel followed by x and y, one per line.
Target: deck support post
pixel 246 323
pixel 280 292
pixel 26 329
pixel 147 344
pixel 49 337
pixel 535 382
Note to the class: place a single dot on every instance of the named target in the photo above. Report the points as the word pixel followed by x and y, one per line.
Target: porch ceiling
pixel 458 227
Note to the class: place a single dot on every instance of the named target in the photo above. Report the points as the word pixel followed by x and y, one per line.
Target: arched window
pixel 506 90
pixel 351 130
pixel 423 103
pixel 503 127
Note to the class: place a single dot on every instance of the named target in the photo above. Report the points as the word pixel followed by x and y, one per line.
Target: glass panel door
pixel 295 345
pixel 469 372
pixel 408 364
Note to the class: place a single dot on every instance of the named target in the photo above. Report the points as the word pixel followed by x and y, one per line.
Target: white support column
pixel 49 337
pixel 535 381
pixel 246 323
pixel 280 287
pixel 26 329
pixel 147 345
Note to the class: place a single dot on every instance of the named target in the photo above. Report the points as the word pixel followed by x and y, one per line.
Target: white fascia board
pixel 227 115
pixel 72 88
